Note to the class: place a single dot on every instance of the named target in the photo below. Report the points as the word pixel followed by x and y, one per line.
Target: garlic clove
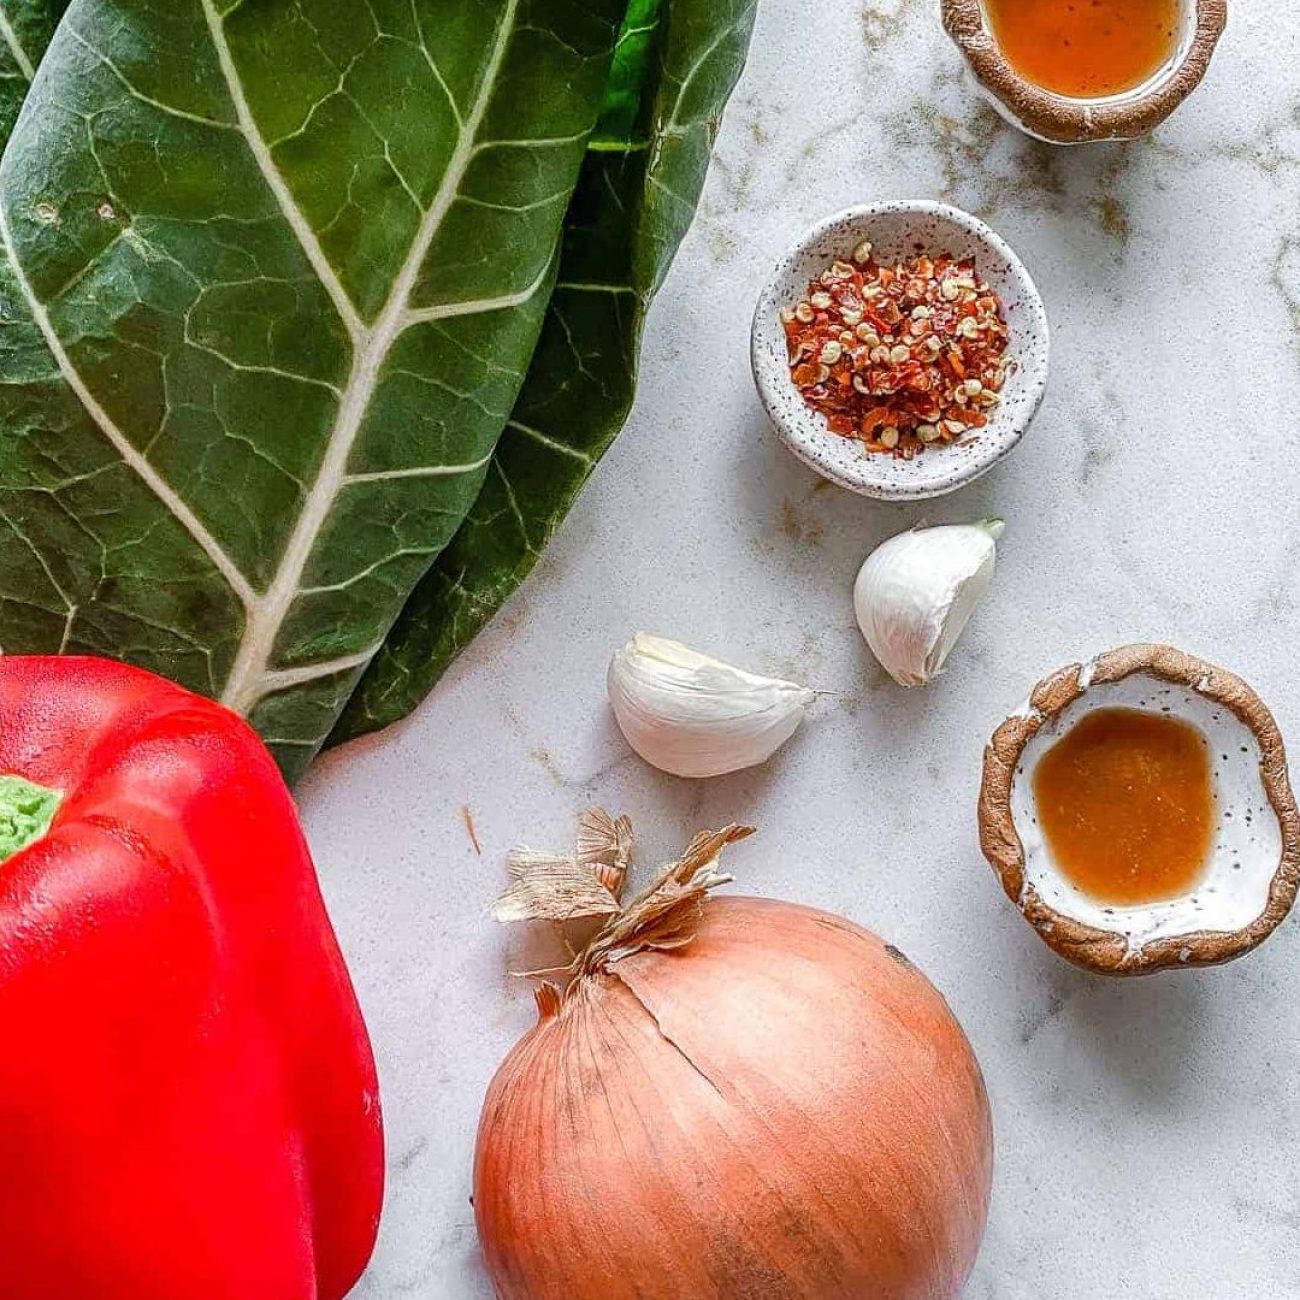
pixel 692 715
pixel 916 592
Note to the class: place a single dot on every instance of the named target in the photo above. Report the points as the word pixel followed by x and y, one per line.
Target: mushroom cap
pixel 1254 870
pixel 1062 120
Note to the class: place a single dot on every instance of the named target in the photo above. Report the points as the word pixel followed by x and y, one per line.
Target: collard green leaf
pixel 26 27
pixel 629 76
pixel 273 272
pixel 677 62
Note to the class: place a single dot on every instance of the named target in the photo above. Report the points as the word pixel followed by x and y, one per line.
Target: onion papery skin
pixel 784 1109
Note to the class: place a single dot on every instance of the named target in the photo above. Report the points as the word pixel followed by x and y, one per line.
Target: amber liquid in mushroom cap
pixel 1126 803
pixel 1086 49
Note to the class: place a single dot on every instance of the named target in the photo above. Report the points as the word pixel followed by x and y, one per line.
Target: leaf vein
pixel 279 188
pixel 136 93
pixel 478 306
pixel 547 441
pixel 251 672
pixel 417 471
pixel 163 490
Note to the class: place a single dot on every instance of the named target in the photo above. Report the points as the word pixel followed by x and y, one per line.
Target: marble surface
pixel 1148 1132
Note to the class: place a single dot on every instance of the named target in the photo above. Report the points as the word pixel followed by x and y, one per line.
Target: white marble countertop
pixel 1148 1132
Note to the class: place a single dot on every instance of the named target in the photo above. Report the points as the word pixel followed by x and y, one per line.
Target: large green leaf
pixel 26 27
pixel 677 63
pixel 273 273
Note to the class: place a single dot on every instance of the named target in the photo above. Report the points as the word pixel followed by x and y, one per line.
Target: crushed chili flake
pixel 899 357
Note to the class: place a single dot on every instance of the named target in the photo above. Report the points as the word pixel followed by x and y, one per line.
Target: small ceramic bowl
pixel 1059 119
pixel 900 230
pixel 1254 870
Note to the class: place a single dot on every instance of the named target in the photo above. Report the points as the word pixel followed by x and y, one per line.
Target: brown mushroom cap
pixel 1106 951
pixel 1061 120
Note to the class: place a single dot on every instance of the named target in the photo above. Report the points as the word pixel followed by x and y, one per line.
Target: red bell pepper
pixel 188 1102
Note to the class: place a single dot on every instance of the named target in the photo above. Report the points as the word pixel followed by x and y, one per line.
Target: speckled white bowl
pixel 898 230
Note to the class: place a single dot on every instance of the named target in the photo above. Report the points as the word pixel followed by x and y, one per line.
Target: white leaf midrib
pixel 25 65
pixel 250 676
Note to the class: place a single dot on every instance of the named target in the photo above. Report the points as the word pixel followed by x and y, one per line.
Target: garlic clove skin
pixel 916 592
pixel 691 715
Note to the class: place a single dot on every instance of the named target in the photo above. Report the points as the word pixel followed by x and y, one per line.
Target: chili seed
pixel 804 313
pixel 820 300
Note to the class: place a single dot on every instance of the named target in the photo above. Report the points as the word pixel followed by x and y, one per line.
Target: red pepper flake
pixel 899 357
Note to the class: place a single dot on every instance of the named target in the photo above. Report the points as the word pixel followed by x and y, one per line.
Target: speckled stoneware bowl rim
pixel 802 428
pixel 1107 952
pixel 1061 120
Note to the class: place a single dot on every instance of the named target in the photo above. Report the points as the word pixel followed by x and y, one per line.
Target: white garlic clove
pixel 693 715
pixel 916 592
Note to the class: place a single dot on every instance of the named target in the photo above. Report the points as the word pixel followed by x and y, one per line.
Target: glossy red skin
pixel 188 1102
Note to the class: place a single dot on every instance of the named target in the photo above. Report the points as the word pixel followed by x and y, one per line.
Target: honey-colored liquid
pixel 1125 801
pixel 1086 49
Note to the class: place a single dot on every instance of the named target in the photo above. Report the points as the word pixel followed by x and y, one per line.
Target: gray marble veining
pixel 1148 1132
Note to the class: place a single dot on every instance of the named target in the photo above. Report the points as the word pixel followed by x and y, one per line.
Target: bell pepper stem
pixel 26 811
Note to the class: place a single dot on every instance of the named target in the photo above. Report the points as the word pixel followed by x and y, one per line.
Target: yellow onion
pixel 734 1099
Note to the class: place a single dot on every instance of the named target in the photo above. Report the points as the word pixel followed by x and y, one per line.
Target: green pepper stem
pixel 26 811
